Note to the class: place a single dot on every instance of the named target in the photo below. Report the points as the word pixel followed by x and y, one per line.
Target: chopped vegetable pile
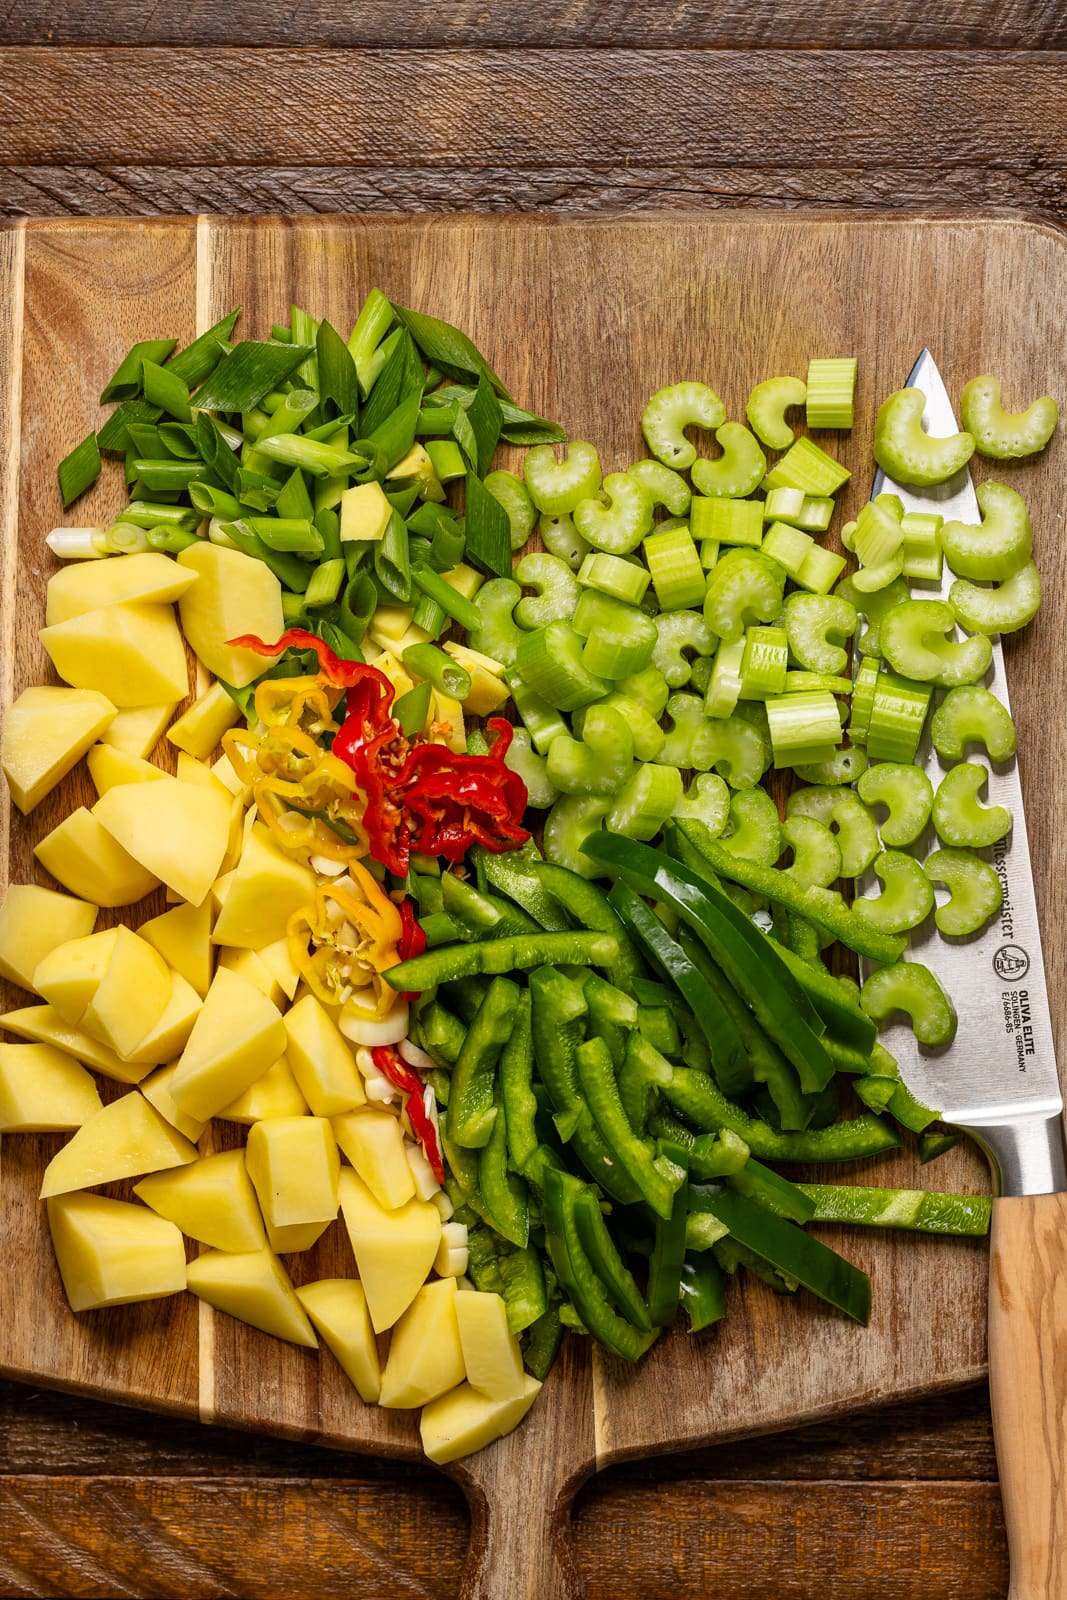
pixel 561 1075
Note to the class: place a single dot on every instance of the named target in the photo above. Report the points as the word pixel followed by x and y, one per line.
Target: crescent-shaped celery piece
pixel 817 626
pixel 619 639
pixel 561 538
pixel 907 897
pixel 972 715
pixel 667 488
pixel 754 831
pixel 840 808
pixel 975 891
pixel 998 545
pixel 532 769
pixel 549 661
pixel 511 493
pixel 649 687
pixel 734 747
pixel 915 644
pixel 910 987
pixel 571 820
pixel 959 818
pixel 556 487
pixel 598 763
pixel 816 853
pixel 737 471
pixel 648 736
pixel 497 634
pixel 767 406
pixel 556 590
pixel 743 587
pixel 1005 435
pixel 1005 608
pixel 844 766
pixel 873 607
pixel 686 713
pixel 906 452
pixel 676 633
pixel 907 793
pixel 707 800
pixel 618 526
pixel 673 409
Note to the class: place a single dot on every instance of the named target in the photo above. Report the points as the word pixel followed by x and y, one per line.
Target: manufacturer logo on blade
pixel 1011 962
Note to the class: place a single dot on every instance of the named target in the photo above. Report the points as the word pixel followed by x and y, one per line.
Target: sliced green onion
pixel 149 513
pixel 199 359
pixel 113 435
pixel 310 455
pixel 831 392
pixel 456 605
pixel 486 420
pixel 448 460
pixel 163 475
pixel 250 371
pixel 164 388
pixel 128 379
pixel 412 709
pixel 78 544
pixel 803 728
pixel 427 661
pixel 392 559
pixel 171 540
pixel 448 348
pixel 364 344
pixel 488 530
pixel 78 470
pixel 288 533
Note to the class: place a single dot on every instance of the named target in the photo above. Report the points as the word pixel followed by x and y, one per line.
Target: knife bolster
pixel 1026 1154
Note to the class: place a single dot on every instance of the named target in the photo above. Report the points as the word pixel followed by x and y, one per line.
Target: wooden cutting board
pixel 583 320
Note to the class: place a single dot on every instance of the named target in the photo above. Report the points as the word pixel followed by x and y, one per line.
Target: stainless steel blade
pixel 998 1078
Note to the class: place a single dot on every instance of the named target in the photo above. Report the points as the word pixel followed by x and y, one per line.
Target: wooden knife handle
pixel 1028 1386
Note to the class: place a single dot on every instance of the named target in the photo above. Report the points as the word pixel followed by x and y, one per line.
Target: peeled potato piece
pixel 110 1253
pixel 123 1140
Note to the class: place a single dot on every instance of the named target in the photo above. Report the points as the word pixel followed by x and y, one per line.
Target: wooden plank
pixel 729 108
pixel 728 24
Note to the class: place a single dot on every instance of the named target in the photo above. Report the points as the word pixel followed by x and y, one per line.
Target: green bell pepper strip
pixel 668 1249
pixel 996 547
pixel 816 853
pixel 670 960
pixel 659 1026
pixel 894 1096
pixel 959 818
pixel 556 487
pixel 755 833
pixel 737 471
pixel 513 873
pixel 789 1250
pixel 817 626
pixel 932 1145
pixel 743 587
pixel 907 794
pixel 645 801
pixel 619 526
pixel 907 897
pixel 770 1189
pixel 910 987
pixel 803 939
pixel 873 607
pixel 766 408
pixel 822 906
pixel 465 995
pixel 550 662
pixel 702 1103
pixel 599 763
pixel 577 1276
pixel 606 1261
pixel 1005 435
pixel 666 487
pixel 735 748
pixel 706 801
pixel 504 1195
pixel 919 1210
pixel 461 1166
pixel 590 907
pixel 703 1290
pixel 908 635
pixel 515 1080
pixel 514 496
pixel 612 1015
pixel 714 1155
pixel 676 633
pixel 642 1072
pixel 441 1033
pixel 734 944
pixel 472 1107
pixel 972 715
pixel 596 1077
pixel 522 758
pixel 493 956
pixel 558 1022
pixel 731 1254
pixel 909 455
pixel 556 587
pixel 619 638
pixel 1003 609
pixel 975 890
pixel 518 1276
pixel 541 1346
pixel 673 409
pixel 496 633
pixel 439 928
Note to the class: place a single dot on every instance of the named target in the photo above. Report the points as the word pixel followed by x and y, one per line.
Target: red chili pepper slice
pixel 341 673
pixel 412 941
pixel 392 1066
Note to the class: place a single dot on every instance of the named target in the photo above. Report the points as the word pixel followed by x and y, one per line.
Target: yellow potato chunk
pixel 425 1355
pixel 33 921
pixel 111 1253
pixel 171 1033
pixel 177 831
pixel 338 1308
pixel 236 1037
pixel 124 1140
pixel 133 653
pixel 200 729
pixel 465 580
pixel 235 595
pixel 46 732
pixel 365 512
pixel 277 957
pixel 488 690
pixel 132 999
pixel 294 1167
pixel 44 1025
pixel 322 1063
pixel 68 976
pixel 450 712
pixel 183 939
pixel 82 856
pixel 110 766
pixel 43 1090
pixel 276 1094
pixel 255 1288
pixel 394 1250
pixel 211 1200
pixel 373 1141
pixel 138 729
pixel 251 966
pixel 150 576
pixel 492 1355
pixel 266 888
pixel 463 1421
pixel 156 1090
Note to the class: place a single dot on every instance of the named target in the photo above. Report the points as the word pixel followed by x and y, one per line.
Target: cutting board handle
pixel 520 1546
pixel 1028 1386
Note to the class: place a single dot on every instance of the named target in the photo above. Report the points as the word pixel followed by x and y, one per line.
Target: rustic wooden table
pixel 362 105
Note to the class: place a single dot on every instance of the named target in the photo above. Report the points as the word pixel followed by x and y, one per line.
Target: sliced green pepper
pixel 704 1104
pixel 503 955
pixel 472 1108
pixel 577 1276
pixel 922 1211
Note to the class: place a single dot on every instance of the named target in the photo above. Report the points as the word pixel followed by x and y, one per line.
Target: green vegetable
pixel 698 1099
pixel 910 987
pixel 513 495
pixel 673 409
pixel 922 1211
pixel 905 791
pixel 958 816
pixel 766 408
pixel 737 471
pixel 975 890
pixel 488 530
pixel 971 715
pixel 1006 436
pixel 620 525
pixel 79 469
pixel 1004 609
pixel 908 454
pixel 499 956
pixel 997 546
pixel 557 487
pixel 831 391
pixel 906 899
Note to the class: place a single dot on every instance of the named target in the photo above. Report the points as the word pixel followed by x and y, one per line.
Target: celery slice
pixel 831 391
pixel 1004 435
pixel 766 408
pixel 975 890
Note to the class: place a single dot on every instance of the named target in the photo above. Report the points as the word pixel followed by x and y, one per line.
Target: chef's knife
pixel 998 1081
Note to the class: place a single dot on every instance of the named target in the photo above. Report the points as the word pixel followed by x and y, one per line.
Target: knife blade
pixel 998 1081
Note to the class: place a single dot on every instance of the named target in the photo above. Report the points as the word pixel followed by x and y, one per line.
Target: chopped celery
pixel 673 409
pixel 1005 608
pixel 737 471
pixel 614 575
pixel 804 728
pixel 805 466
pixel 906 898
pixel 975 890
pixel 556 487
pixel 556 587
pixel 619 526
pixel 972 715
pixel 831 391
pixel 910 987
pixel 729 521
pixel 906 452
pixel 907 793
pixel 789 546
pixel 915 642
pixel 898 715
pixel 1004 435
pixel 677 575
pixel 959 817
pixel 996 547
pixel 816 853
pixel 764 663
pixel 817 627
pixel 667 488
pixel 767 406
pixel 743 588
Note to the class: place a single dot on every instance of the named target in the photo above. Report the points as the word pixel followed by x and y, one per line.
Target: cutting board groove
pixel 583 319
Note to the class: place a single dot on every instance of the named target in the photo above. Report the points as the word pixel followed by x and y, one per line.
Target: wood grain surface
pixel 726 297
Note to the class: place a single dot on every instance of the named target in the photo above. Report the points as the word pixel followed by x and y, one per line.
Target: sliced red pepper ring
pixel 341 673
pixel 395 1069
pixel 412 941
